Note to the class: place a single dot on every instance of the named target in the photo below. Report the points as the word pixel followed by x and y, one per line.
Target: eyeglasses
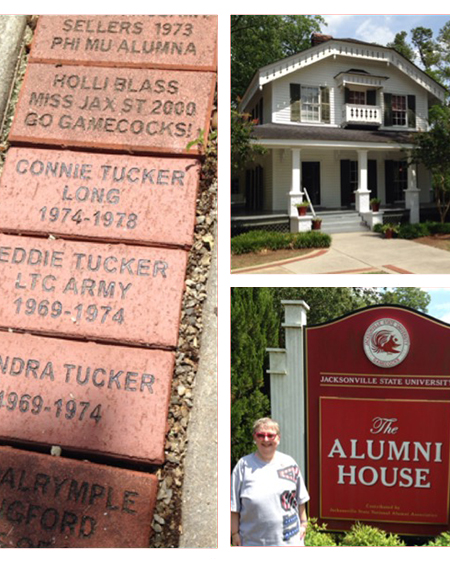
pixel 268 435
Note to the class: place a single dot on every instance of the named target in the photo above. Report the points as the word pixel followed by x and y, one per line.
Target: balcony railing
pixel 363 115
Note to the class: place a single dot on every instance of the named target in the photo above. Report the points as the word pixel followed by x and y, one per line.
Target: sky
pixel 380 29
pixel 440 303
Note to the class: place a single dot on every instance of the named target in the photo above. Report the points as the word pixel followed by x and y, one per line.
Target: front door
pixel 311 180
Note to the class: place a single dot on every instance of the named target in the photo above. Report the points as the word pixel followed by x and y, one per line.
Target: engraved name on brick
pixel 87 397
pixel 122 109
pixel 137 199
pixel 110 292
pixel 182 41
pixel 55 502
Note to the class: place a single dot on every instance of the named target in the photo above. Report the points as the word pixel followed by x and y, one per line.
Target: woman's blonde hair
pixel 266 422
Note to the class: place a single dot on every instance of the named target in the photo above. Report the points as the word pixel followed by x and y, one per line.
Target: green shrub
pixel 255 241
pixel 411 231
pixel 311 239
pixel 317 537
pixel 440 541
pixel 438 228
pixel 378 228
pixel 362 535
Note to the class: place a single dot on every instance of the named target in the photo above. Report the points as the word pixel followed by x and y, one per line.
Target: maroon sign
pixel 378 403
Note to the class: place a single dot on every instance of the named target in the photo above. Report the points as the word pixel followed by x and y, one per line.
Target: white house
pixel 336 119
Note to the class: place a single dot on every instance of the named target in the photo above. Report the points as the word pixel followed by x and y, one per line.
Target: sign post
pixel 287 383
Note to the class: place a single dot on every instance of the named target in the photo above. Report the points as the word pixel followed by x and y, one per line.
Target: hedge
pixel 416 230
pixel 362 535
pixel 255 241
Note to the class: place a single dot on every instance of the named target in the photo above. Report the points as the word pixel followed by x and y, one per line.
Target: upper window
pixel 310 104
pixel 399 111
pixel 358 98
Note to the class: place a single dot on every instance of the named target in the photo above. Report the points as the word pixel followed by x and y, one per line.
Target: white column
pixel 296 194
pixel 287 383
pixel 362 194
pixel 412 195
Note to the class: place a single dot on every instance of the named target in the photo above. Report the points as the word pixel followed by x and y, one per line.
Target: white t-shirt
pixel 267 497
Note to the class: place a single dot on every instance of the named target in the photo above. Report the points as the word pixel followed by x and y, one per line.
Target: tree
pixel 254 327
pixel 260 40
pixel 422 39
pixel 401 45
pixel 444 51
pixel 411 297
pixel 242 151
pixel 431 148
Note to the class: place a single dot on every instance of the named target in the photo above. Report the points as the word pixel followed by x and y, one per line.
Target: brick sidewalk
pixel 107 400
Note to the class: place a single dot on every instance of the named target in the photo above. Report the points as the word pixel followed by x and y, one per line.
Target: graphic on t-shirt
pixel 289 500
pixel 290 473
pixel 290 526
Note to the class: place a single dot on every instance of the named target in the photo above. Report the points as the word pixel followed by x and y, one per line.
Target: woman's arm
pixel 303 520
pixel 235 536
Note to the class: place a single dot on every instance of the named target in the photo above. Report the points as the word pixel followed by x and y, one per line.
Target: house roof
pixel 286 132
pixel 332 47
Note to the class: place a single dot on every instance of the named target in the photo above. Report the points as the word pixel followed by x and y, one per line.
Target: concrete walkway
pixel 199 510
pixel 358 253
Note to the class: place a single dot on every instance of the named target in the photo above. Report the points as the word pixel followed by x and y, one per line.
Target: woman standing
pixel 268 494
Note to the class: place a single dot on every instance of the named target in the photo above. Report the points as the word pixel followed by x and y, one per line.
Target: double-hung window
pixel 399 111
pixel 310 109
pixel 310 104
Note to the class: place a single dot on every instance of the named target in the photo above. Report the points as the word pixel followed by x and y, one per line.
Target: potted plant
pixel 302 207
pixel 316 224
pixel 375 204
pixel 389 230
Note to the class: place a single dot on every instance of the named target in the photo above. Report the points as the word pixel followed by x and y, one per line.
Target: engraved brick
pixel 188 42
pixel 148 200
pixel 86 397
pixel 55 502
pixel 108 292
pixel 142 111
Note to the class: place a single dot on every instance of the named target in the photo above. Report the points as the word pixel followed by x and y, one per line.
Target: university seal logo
pixel 386 343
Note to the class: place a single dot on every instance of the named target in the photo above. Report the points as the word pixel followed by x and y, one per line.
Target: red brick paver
pixel 110 292
pixel 142 111
pixel 188 42
pixel 93 398
pixel 148 200
pixel 53 502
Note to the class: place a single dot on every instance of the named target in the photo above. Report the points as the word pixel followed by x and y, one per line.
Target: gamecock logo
pixel 386 343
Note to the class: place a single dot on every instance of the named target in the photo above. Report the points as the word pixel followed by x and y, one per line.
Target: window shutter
pixel 389 181
pixel 412 111
pixel 371 97
pixel 295 90
pixel 346 95
pixel 388 109
pixel 346 192
pixel 325 104
pixel 261 111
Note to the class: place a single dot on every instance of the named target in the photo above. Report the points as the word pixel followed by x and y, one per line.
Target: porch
pixel 340 169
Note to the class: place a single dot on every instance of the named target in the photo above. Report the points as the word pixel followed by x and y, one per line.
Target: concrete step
pixel 349 222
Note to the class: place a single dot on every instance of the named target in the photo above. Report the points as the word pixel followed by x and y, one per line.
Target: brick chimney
pixel 317 38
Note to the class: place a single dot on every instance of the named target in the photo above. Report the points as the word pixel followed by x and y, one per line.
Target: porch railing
pixel 309 201
pixel 353 113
